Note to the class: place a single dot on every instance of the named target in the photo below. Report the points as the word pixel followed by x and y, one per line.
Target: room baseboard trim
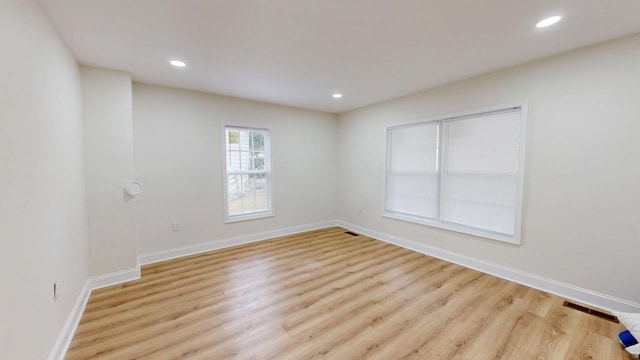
pixel 225 243
pixel 114 278
pixel 69 329
pixel 73 320
pixel 568 291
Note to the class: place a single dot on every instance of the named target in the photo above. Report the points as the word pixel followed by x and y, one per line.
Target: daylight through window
pixel 248 173
pixel 462 173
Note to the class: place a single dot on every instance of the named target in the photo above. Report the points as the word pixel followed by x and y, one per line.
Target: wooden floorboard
pixel 326 294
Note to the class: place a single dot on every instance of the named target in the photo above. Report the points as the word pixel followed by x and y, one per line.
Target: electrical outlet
pixel 56 290
pixel 177 226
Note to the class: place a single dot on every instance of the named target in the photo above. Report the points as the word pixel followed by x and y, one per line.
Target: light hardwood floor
pixel 327 294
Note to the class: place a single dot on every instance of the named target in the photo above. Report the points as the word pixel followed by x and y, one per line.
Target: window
pixel 462 173
pixel 247 173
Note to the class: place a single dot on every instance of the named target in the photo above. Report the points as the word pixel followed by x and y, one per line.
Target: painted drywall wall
pixel 178 159
pixel 580 220
pixel 108 164
pixel 42 204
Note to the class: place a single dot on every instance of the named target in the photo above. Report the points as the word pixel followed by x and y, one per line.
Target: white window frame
pixel 268 171
pixel 516 239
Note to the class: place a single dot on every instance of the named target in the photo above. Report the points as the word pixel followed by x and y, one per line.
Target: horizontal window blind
pixel 412 174
pixel 462 173
pixel 479 176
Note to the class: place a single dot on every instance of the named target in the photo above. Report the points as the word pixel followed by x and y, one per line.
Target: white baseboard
pixel 64 339
pixel 69 329
pixel 225 243
pixel 561 289
pixel 114 278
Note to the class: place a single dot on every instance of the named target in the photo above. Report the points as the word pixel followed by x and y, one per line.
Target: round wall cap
pixel 134 188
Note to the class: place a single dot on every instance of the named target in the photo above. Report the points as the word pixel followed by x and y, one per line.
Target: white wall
pixel 581 220
pixel 108 164
pixel 42 205
pixel 178 159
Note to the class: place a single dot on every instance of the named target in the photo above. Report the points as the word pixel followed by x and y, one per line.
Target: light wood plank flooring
pixel 327 294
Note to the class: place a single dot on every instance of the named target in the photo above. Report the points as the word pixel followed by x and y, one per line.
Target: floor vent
pixel 351 233
pixel 590 311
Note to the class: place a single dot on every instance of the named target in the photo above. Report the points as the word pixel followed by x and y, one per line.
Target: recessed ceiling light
pixel 337 96
pixel 177 63
pixel 548 21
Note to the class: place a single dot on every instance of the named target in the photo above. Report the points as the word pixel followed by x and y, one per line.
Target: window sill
pixel 459 229
pixel 245 217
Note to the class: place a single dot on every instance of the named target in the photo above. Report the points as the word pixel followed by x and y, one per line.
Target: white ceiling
pixel 299 52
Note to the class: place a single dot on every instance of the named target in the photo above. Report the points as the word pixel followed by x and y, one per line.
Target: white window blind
pixel 247 173
pixel 462 173
pixel 412 177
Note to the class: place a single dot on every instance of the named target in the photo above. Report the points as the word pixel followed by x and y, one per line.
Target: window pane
pixel 245 150
pixel 483 202
pixel 479 180
pixel 487 144
pixel 414 149
pixel 247 166
pixel 412 182
pixel 247 193
pixel 260 192
pixel 235 194
pixel 413 194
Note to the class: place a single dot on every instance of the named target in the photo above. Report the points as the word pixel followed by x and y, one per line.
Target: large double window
pixel 247 173
pixel 462 173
